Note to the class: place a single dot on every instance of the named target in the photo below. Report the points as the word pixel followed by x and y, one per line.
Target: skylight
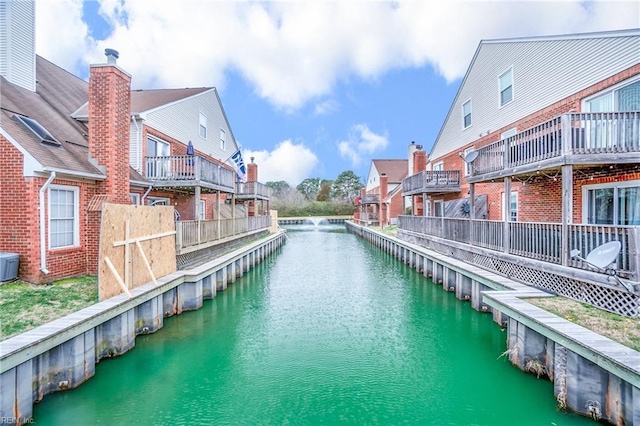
pixel 39 130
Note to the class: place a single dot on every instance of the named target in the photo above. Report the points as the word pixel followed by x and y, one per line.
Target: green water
pixel 328 330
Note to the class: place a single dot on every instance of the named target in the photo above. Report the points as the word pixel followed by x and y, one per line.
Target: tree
pixel 309 188
pixel 278 188
pixel 325 191
pixel 347 186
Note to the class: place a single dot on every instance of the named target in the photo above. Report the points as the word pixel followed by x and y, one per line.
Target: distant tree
pixel 346 187
pixel 325 191
pixel 278 188
pixel 309 188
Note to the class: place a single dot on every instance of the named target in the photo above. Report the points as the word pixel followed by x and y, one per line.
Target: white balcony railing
pixel 252 190
pixel 586 133
pixel 432 181
pixel 190 233
pixel 185 170
pixel 534 240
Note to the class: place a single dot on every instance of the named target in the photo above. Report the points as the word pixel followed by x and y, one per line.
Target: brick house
pixel 68 146
pixel 554 122
pixel 381 200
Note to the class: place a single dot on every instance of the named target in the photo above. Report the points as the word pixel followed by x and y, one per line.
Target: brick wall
pixel 540 198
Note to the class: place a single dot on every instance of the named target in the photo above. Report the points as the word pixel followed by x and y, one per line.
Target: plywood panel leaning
pixel 137 246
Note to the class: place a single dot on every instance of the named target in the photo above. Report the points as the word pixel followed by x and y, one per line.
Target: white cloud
pixel 360 143
pixel 326 107
pixel 288 161
pixel 62 36
pixel 296 52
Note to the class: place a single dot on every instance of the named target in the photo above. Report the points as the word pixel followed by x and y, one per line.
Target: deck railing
pixel 185 169
pixel 252 190
pixel 587 133
pixel 370 199
pixel 534 240
pixel 431 181
pixel 190 233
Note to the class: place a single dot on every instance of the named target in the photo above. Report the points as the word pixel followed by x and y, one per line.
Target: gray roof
pixel 396 170
pixel 57 94
pixel 146 100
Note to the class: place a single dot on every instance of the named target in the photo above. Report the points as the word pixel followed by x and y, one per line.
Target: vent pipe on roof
pixel 112 56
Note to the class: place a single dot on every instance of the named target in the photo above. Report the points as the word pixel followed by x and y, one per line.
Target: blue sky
pixel 311 88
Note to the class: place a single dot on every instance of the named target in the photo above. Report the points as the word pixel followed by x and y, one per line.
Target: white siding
pixel 544 72
pixel 373 181
pixel 181 121
pixel 135 145
pixel 17 43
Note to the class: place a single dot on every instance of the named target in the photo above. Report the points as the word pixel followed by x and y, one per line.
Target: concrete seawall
pixel 62 354
pixel 592 375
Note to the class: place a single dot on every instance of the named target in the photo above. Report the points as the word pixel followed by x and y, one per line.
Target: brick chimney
pixel 384 191
pixel 252 171
pixel 419 161
pixel 109 121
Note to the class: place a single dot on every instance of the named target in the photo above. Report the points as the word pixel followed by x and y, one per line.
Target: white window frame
pixel 435 209
pixel 616 185
pixel 501 89
pixel 611 89
pixel 76 215
pixel 513 214
pixel 438 166
pixel 201 210
pixel 464 126
pixel 158 201
pixel 134 198
pixel 202 126
pixel 223 140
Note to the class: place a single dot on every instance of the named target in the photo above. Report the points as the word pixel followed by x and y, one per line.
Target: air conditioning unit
pixel 8 266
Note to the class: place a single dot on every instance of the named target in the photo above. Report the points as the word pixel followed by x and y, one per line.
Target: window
pixel 513 207
pixel 466 114
pixel 134 197
pixel 508 133
pixel 157 167
pixel 439 166
pixel 201 210
pixel 39 130
pixel 506 87
pixel 158 201
pixel 63 216
pixel 223 140
pixel 624 97
pixel 612 204
pixel 203 126
pixel 438 208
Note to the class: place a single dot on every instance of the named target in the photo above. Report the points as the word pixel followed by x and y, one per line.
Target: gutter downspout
pixel 43 241
pixel 144 196
pixel 138 147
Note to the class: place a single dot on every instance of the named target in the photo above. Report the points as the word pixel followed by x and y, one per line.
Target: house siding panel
pixel 545 72
pixel 17 43
pixel 180 121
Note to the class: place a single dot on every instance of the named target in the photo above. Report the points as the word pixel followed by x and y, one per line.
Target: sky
pixel 311 88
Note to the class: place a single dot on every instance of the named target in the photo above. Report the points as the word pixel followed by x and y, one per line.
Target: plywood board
pixel 152 228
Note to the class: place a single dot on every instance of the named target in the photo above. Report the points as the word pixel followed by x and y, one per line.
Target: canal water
pixel 328 330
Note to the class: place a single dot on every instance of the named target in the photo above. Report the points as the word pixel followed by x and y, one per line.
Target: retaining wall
pixel 593 375
pixel 62 354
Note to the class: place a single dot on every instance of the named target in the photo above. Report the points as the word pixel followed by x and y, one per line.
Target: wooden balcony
pixel 580 139
pixel 371 199
pixel 193 235
pixel 534 240
pixel 187 172
pixel 251 191
pixel 438 181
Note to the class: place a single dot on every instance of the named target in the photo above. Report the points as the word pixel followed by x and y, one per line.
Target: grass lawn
pixel 24 306
pixel 618 328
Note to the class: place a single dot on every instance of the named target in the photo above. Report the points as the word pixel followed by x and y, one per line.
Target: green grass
pixel 619 328
pixel 25 306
